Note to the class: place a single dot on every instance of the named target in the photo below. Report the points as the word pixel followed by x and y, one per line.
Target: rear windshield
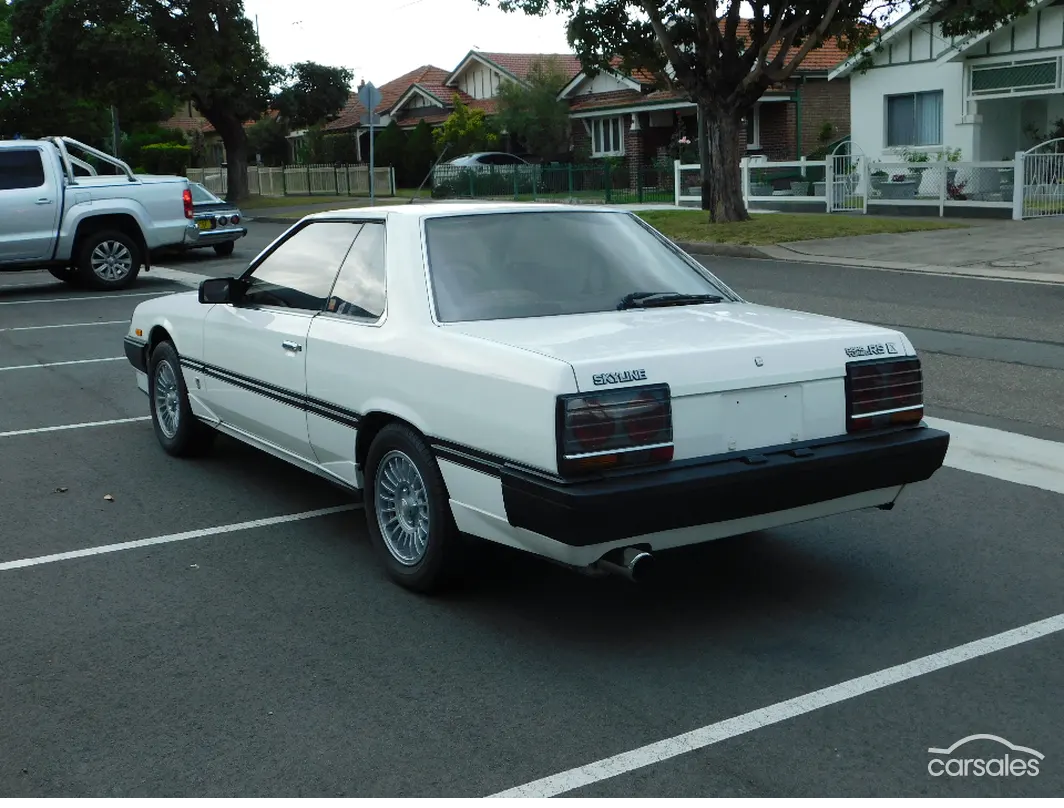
pixel 533 264
pixel 201 196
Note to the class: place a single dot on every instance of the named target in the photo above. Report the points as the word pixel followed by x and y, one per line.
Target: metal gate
pixel 1042 175
pixel 844 172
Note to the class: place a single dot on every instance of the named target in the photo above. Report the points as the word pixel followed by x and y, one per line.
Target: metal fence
pixel 855 183
pixel 557 182
pixel 304 180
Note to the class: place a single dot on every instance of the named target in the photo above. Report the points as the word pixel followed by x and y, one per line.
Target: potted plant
pixel 901 186
pixel 877 178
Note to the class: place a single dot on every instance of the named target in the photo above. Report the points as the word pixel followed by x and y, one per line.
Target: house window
pixel 753 128
pixel 607 137
pixel 914 119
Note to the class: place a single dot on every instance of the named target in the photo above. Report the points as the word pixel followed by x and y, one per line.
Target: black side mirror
pixel 219 290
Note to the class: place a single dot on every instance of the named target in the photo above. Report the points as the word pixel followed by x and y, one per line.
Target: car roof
pixel 437 209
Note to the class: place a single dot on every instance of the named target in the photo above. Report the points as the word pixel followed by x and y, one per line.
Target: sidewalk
pixel 1031 250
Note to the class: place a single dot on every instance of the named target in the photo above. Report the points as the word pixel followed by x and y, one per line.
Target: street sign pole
pixel 370 98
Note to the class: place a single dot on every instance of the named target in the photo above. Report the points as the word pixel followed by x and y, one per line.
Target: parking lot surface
pixel 253 647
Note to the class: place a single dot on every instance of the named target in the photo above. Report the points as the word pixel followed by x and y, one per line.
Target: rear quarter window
pixel 21 168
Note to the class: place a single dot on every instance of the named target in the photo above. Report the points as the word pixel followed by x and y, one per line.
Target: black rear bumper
pixel 719 489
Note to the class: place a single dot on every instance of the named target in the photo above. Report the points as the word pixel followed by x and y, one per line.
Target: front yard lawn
pixel 778 228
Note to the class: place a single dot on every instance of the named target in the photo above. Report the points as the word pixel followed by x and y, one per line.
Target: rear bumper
pixel 719 489
pixel 194 237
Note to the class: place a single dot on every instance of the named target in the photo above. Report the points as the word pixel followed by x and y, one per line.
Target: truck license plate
pixel 205 224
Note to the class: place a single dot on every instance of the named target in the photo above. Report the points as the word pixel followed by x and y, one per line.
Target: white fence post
pixel 942 188
pixel 866 182
pixel 676 180
pixel 744 171
pixel 1018 180
pixel 829 181
pixel 802 161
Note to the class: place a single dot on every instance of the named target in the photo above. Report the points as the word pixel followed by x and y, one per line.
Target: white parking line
pixel 1004 455
pixel 173 537
pixel 781 711
pixel 57 364
pixel 66 325
pixel 84 297
pixel 85 425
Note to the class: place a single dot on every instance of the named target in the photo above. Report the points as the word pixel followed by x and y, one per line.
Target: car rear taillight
pixel 614 429
pixel 223 221
pixel 884 392
pixel 186 197
pixel 234 219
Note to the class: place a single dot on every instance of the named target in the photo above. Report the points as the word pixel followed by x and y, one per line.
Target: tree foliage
pixel 533 112
pixel 312 93
pixel 419 155
pixel 725 55
pixel 465 130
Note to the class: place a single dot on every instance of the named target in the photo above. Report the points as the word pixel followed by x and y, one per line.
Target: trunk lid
pixel 741 376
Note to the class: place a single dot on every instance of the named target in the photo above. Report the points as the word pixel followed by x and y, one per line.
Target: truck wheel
pixel 225 249
pixel 408 512
pixel 177 429
pixel 109 259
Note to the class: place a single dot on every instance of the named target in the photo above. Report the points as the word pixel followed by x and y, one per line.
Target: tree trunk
pixel 718 151
pixel 235 139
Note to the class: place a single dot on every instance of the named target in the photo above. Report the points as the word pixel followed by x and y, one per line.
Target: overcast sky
pixel 379 40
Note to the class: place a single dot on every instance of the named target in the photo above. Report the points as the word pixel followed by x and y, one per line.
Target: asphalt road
pixel 279 661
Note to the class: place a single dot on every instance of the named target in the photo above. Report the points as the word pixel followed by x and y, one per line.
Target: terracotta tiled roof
pixel 520 64
pixel 429 76
pixel 829 54
pixel 192 121
pixel 612 99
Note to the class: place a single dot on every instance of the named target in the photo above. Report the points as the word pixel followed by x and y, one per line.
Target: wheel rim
pixel 167 410
pixel 402 504
pixel 111 260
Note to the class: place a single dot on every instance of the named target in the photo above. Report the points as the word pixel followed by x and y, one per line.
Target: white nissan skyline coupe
pixel 560 379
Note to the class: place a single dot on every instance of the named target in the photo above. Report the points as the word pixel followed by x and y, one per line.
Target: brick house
pixel 631 118
pixel 427 92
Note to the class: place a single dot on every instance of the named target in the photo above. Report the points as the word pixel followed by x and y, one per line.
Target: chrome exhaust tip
pixel 634 564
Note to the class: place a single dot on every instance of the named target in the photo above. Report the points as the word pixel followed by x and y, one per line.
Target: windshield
pixel 532 264
pixel 201 196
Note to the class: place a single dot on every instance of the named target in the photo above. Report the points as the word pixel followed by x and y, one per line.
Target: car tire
pixel 109 260
pixel 225 249
pixel 400 468
pixel 66 275
pixel 177 429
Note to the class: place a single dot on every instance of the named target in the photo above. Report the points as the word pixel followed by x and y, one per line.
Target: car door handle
pixel 43 202
pixel 288 345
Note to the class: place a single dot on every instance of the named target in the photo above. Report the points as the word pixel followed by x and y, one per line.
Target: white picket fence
pixel 324 180
pixel 855 183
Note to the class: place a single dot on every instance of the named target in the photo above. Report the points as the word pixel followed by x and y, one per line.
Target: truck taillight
pixel 614 429
pixel 186 197
pixel 884 392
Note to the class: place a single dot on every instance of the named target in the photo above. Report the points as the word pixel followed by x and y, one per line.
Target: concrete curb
pixel 788 255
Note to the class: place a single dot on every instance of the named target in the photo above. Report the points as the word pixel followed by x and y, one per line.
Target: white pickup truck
pixel 91 229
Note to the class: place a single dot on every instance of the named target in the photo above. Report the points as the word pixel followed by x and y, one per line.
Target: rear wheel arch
pixel 122 222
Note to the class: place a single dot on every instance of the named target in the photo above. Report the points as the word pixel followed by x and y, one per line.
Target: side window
pixel 361 287
pixel 20 168
pixel 301 271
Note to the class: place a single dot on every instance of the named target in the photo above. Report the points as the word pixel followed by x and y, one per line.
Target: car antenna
pixel 432 170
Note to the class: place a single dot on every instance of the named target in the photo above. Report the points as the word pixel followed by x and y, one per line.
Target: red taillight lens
pixel 884 392
pixel 234 219
pixel 625 427
pixel 186 197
